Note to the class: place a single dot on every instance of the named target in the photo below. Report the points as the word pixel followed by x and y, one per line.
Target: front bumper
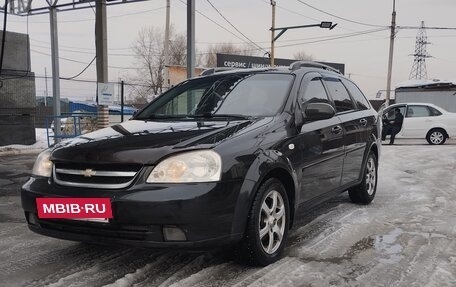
pixel 204 212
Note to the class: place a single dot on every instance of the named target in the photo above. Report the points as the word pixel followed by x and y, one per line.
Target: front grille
pixel 95 176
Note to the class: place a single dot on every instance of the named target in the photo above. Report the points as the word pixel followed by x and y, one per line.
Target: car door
pixel 367 121
pixel 388 115
pixel 417 122
pixel 354 128
pixel 319 145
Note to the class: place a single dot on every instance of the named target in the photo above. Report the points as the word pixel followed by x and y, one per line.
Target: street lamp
pixel 324 25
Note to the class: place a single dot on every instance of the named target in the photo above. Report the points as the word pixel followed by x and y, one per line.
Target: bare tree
pixel 302 56
pixel 210 57
pixel 150 59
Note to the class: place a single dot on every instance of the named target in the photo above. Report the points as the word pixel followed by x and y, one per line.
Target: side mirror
pixel 319 111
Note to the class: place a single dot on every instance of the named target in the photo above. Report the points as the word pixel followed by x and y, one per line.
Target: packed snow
pixel 40 144
pixel 406 237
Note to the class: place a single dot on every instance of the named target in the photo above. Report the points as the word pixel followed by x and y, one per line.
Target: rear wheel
pixel 364 193
pixel 436 136
pixel 267 226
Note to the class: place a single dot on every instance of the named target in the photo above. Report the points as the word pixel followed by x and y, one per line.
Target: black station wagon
pixel 221 159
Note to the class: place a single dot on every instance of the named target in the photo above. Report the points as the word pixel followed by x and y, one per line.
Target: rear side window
pixel 417 111
pixel 360 99
pixel 434 111
pixel 315 93
pixel 339 94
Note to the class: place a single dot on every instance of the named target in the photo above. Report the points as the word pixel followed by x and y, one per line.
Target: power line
pixel 80 62
pixel 235 28
pixel 335 38
pixel 338 17
pixel 341 36
pixel 308 17
pixel 78 48
pixel 83 70
pixel 218 24
pixel 426 28
pixel 92 19
pixel 76 80
pixel 85 52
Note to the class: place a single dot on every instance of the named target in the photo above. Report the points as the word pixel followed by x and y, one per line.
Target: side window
pixel 390 113
pixel 361 101
pixel 434 111
pixel 314 93
pixel 340 95
pixel 417 111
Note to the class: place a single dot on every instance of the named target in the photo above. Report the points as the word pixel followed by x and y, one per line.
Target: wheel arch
pixel 267 165
pixel 287 180
pixel 440 127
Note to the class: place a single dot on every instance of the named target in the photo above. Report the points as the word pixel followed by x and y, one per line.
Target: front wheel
pixel 436 137
pixel 364 193
pixel 267 226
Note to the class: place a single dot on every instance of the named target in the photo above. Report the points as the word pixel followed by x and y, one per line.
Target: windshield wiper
pixel 162 117
pixel 211 116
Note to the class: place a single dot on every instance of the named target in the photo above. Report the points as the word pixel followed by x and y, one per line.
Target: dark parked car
pixel 226 158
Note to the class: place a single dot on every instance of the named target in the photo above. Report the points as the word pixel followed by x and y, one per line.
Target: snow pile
pixel 40 144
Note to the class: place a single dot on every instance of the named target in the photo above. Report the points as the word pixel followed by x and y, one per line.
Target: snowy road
pixel 406 237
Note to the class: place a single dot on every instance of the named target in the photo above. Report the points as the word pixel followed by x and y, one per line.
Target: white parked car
pixel 423 120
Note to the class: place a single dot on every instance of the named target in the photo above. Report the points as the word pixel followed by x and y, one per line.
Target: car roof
pixel 414 103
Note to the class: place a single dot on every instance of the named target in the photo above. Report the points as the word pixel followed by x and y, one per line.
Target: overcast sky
pixel 365 56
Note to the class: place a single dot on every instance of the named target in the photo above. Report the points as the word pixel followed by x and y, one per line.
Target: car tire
pixel 436 136
pixel 365 192
pixel 267 229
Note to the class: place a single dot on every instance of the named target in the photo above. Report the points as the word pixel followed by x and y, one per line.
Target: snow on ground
pixel 40 144
pixel 406 237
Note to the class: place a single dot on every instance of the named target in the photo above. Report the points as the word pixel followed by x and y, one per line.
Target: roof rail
pixel 300 64
pixel 215 70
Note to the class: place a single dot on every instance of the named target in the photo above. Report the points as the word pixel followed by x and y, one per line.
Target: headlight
pixel 43 164
pixel 194 166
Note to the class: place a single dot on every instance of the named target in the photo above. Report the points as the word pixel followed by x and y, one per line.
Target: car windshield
pixel 228 95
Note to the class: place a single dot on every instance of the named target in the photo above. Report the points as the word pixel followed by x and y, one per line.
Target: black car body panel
pixel 314 160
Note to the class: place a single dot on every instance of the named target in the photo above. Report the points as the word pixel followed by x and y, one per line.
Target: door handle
pixel 363 122
pixel 336 130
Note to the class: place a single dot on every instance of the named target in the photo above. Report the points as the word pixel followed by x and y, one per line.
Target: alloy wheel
pixel 371 176
pixel 272 222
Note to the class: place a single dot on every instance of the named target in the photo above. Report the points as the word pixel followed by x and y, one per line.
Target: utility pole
pixel 190 48
pixel 391 51
pixel 190 38
pixel 101 43
pixel 122 104
pixel 46 83
pixel 55 72
pixel 166 48
pixel 273 4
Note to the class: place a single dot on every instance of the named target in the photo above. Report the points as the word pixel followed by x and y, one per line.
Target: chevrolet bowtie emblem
pixel 88 172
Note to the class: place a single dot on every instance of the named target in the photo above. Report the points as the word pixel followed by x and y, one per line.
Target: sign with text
pixel 105 94
pixel 246 62
pixel 74 207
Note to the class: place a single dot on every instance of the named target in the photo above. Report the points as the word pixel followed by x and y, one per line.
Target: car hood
pixel 146 142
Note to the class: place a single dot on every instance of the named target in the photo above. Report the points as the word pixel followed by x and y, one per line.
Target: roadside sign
pixel 105 94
